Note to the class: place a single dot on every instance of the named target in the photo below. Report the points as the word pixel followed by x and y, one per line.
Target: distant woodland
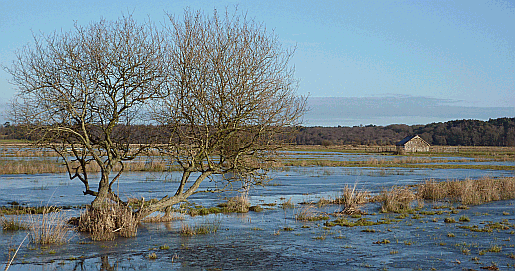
pixel 494 132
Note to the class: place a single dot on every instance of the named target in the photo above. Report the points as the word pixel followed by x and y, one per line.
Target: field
pixel 338 208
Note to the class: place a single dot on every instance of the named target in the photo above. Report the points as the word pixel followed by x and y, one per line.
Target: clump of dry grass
pixel 166 217
pixel 308 213
pixel 397 199
pixel 49 227
pixel 14 223
pixel 469 192
pixel 108 221
pixel 205 228
pixel 351 198
pixel 238 204
pixel 287 204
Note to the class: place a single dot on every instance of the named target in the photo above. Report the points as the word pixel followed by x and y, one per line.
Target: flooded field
pixel 437 236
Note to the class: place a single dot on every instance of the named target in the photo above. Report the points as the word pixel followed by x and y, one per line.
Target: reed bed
pixel 204 228
pixel 34 166
pixel 309 213
pixel 469 192
pixel 399 163
pixel 166 217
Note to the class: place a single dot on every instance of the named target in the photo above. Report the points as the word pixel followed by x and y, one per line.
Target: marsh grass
pixel 287 204
pixel 49 227
pixel 469 192
pixel 309 213
pixel 352 198
pixel 238 204
pixel 166 217
pixel 206 227
pixel 14 223
pixel 37 166
pixel 397 199
pixel 108 221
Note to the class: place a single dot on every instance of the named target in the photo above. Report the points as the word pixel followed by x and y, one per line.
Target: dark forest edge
pixel 494 132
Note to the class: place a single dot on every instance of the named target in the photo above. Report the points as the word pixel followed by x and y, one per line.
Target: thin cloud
pixel 334 111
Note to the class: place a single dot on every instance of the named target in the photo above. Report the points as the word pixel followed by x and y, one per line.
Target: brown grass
pixel 205 228
pixel 351 198
pixel 13 223
pixel 50 227
pixel 107 222
pixel 308 213
pixel 33 166
pixel 167 217
pixel 238 204
pixel 469 192
pixel 397 199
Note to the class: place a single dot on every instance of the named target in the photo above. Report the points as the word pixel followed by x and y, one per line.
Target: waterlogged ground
pixel 273 239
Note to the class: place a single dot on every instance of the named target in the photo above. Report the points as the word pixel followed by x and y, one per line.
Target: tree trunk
pixel 103 191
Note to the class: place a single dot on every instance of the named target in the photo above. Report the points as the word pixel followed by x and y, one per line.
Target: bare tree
pixel 79 89
pixel 232 92
pixel 222 86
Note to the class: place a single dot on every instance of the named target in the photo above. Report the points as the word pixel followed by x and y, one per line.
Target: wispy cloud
pixel 334 111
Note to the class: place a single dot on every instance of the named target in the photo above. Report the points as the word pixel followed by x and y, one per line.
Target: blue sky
pixel 362 62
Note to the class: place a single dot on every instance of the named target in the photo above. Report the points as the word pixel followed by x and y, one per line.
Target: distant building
pixel 412 144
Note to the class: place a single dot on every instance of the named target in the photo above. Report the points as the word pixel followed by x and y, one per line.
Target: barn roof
pixel 407 139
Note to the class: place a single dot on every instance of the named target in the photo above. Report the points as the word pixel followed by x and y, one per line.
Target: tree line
pixel 494 132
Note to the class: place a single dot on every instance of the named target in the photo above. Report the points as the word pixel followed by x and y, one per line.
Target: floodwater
pixel 258 241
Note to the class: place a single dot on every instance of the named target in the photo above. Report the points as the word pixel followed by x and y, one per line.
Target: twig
pixel 16 252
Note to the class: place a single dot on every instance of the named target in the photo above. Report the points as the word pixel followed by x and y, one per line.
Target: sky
pixel 360 62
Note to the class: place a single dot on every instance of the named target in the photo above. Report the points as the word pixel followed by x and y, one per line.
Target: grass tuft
pixel 396 200
pixel 12 224
pixel 49 227
pixel 106 222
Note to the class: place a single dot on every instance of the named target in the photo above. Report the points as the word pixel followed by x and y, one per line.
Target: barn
pixel 412 144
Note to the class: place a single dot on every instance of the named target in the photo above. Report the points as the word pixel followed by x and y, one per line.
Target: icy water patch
pixel 273 239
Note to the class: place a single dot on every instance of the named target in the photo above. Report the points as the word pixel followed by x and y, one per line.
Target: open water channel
pixel 258 241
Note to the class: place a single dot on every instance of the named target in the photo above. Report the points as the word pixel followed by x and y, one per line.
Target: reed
pixel 108 221
pixel 205 228
pixel 397 199
pixel 166 217
pixel 49 227
pixel 469 192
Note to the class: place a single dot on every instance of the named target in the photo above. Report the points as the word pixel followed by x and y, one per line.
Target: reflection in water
pixel 105 264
